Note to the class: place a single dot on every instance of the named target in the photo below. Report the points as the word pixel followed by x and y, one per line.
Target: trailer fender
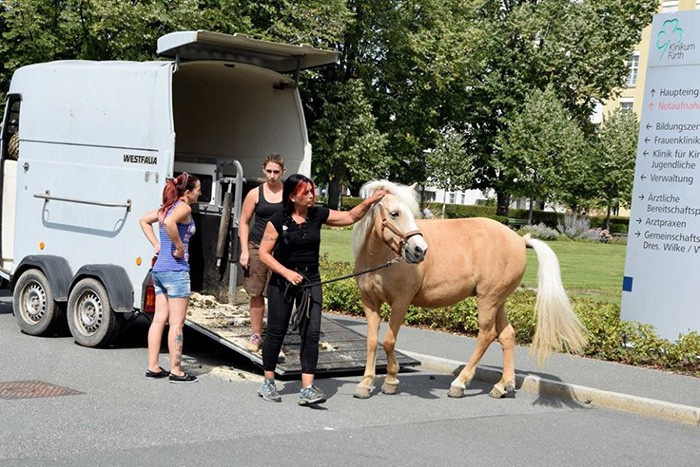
pixel 56 270
pixel 115 279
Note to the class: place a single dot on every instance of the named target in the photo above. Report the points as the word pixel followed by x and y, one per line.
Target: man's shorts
pixel 174 284
pixel 255 277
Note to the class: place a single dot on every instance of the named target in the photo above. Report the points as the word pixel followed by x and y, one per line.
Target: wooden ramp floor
pixel 341 348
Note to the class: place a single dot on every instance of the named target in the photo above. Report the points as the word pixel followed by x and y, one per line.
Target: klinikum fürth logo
pixel 669 41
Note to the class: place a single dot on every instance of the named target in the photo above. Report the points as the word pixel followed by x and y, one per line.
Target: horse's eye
pixel 394 214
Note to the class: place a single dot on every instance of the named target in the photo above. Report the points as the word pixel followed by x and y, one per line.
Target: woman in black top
pixel 263 203
pixel 295 236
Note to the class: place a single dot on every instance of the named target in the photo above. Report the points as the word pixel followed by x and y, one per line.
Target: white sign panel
pixel 662 271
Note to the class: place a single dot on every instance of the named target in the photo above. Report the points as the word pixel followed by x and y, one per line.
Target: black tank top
pixel 263 212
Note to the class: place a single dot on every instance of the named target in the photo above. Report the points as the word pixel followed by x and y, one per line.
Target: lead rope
pixel 301 294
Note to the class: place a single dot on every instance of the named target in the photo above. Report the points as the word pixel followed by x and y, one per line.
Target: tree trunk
pixel 444 200
pixel 607 220
pixel 529 212
pixel 334 188
pixel 502 202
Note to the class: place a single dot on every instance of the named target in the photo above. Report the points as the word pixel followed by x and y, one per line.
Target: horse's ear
pixel 414 187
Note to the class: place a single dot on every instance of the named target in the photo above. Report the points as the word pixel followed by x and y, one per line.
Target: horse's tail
pixel 557 326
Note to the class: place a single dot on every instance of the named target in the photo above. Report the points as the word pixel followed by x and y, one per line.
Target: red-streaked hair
pixel 293 185
pixel 174 189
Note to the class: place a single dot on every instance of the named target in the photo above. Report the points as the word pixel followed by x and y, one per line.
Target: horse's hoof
pixel 362 392
pixel 498 392
pixel 389 388
pixel 455 392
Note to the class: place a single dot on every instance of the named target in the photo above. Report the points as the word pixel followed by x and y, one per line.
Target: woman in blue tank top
pixel 171 273
pixel 263 203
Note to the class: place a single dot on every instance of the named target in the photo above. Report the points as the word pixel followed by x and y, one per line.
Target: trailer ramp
pixel 340 349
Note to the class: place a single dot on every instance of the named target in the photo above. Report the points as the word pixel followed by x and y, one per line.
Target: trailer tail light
pixel 148 294
pixel 149 300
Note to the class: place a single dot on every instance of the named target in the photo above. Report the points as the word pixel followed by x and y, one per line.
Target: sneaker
pixel 311 395
pixel 185 378
pixel 254 343
pixel 157 374
pixel 268 391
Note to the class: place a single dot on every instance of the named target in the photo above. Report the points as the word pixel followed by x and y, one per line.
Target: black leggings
pixel 279 311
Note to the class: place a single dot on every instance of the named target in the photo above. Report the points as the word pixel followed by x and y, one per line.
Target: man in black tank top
pixel 262 203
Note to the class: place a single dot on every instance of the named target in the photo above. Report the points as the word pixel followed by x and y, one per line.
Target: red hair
pixel 174 189
pixel 293 185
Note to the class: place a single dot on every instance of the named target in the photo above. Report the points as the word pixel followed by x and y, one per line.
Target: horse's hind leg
pixel 487 334
pixel 483 340
pixel 506 336
pixel 364 388
pixel 391 382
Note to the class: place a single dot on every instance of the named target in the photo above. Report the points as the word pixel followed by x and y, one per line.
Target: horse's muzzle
pixel 415 249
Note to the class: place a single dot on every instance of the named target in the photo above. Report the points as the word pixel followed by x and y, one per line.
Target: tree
pixel 579 47
pixel 615 152
pixel 449 164
pixel 541 151
pixel 347 144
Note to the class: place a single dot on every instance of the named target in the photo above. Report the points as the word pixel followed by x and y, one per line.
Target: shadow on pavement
pixel 563 397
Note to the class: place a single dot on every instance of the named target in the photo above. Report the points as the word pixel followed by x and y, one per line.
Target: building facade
pixel 631 98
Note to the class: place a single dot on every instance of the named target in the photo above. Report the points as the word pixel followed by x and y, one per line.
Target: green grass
pixel 589 270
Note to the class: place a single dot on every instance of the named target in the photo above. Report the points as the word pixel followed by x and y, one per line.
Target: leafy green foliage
pixel 448 163
pixel 615 152
pixel 347 144
pixel 543 154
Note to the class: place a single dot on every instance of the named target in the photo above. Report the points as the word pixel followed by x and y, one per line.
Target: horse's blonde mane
pixel 406 195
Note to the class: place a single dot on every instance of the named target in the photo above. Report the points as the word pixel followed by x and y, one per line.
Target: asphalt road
pixel 121 418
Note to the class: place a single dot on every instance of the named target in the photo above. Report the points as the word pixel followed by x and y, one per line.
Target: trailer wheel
pixel 91 320
pixel 33 304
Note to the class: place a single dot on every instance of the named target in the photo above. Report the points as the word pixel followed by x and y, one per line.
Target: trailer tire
pixel 91 319
pixel 33 303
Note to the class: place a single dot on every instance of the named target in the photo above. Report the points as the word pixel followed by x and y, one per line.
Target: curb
pixel 585 395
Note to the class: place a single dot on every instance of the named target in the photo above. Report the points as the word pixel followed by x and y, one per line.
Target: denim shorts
pixel 174 284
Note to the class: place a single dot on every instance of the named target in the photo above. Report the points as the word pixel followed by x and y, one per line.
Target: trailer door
pixel 9 153
pixel 205 45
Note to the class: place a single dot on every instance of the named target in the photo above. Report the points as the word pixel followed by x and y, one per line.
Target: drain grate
pixel 32 390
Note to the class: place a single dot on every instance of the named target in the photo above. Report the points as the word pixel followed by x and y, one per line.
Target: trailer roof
pixel 206 45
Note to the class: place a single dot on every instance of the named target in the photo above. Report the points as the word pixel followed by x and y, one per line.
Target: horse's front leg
pixel 364 388
pixel 398 313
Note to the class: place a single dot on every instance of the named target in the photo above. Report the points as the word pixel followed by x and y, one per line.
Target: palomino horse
pixel 467 257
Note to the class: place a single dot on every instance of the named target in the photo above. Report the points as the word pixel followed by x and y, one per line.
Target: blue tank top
pixel 166 261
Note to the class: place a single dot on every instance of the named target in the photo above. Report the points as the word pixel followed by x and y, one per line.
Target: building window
pixel 669 6
pixel 463 198
pixel 428 195
pixel 626 105
pixel 452 198
pixel 633 69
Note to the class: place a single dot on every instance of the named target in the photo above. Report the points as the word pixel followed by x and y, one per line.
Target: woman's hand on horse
pixel 377 196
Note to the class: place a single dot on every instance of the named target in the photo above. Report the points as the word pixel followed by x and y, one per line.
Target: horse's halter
pixel 403 237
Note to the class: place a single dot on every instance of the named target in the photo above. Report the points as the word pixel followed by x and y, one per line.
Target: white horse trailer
pixel 88 146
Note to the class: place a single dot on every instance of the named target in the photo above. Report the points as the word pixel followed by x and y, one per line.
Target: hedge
pixel 618 224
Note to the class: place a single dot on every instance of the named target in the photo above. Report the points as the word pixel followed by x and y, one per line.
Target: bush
pixel 609 338
pixel 540 231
